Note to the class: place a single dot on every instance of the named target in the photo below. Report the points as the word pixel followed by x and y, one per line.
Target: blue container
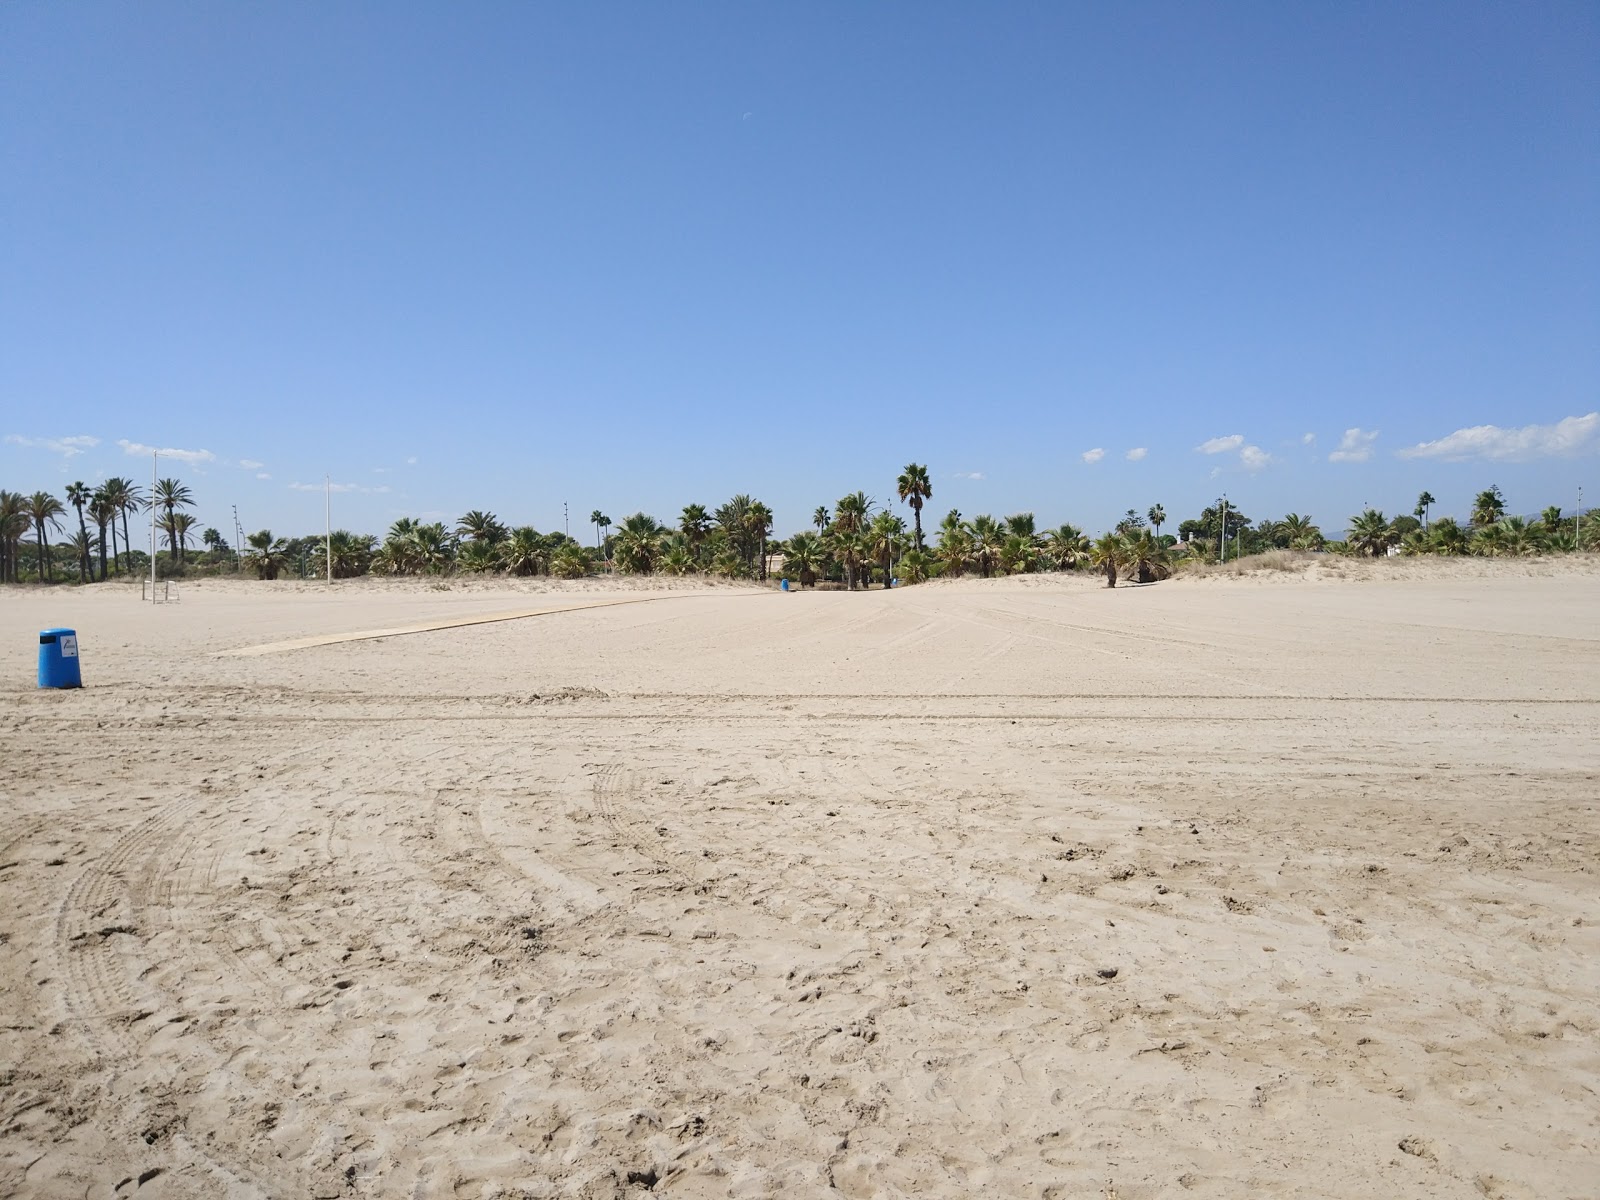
pixel 58 659
pixel 783 584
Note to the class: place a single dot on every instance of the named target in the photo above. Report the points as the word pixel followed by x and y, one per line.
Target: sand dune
pixel 1217 888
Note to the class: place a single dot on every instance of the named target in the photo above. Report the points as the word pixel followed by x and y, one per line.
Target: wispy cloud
pixel 336 487
pixel 412 461
pixel 1310 439
pixel 250 464
pixel 67 447
pixel 969 475
pixel 1137 453
pixel 1355 446
pixel 187 456
pixel 1093 456
pixel 1565 438
pixel 1221 445
pixel 1254 458
pixel 263 475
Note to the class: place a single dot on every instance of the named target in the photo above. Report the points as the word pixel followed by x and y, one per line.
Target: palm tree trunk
pixel 916 512
pixel 127 546
pixel 102 554
pixel 83 558
pixel 44 554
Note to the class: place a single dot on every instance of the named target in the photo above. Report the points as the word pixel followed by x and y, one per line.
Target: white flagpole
pixel 154 471
pixel 327 545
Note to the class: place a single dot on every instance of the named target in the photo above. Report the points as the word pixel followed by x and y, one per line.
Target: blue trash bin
pixel 783 584
pixel 58 659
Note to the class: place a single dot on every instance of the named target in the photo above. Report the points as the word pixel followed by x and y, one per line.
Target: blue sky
pixel 1075 258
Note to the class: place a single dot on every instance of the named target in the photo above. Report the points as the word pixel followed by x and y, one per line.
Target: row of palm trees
pixel 107 506
pixel 854 541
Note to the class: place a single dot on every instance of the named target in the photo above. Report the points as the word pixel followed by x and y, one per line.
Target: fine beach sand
pixel 1272 885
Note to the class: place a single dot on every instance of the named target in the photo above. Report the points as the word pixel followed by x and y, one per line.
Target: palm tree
pixel 266 554
pixel 178 526
pixel 597 519
pixel 481 527
pixel 78 495
pixel 1145 558
pixel 822 517
pixel 171 495
pixel 525 553
pixel 479 557
pixel 1370 534
pixel 104 513
pixel 1551 519
pixel 676 557
pixel 434 548
pixel 851 548
pixel 915 566
pixel 1300 533
pixel 14 523
pixel 987 536
pixel 914 489
pixel 1107 555
pixel 125 498
pixel 571 561
pixel 1488 507
pixel 851 513
pixel 1158 517
pixel 639 543
pixel 1016 554
pixel 45 510
pixel 883 539
pixel 1425 503
pixel 352 553
pixel 757 524
pixel 1518 537
pixel 955 544
pixel 1447 537
pixel 1067 546
pixel 83 547
pixel 694 523
pixel 806 555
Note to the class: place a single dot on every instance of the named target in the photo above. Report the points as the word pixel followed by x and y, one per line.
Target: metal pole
pixel 1577 522
pixel 327 544
pixel 566 520
pixel 154 471
pixel 1222 542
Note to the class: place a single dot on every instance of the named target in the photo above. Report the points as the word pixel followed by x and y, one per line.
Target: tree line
pixel 855 542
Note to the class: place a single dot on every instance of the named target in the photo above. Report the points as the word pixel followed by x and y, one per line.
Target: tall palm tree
pixel 694 523
pixel 757 524
pixel 125 498
pixel 850 546
pixel 14 523
pixel 78 495
pixel 83 547
pixel 170 496
pixel 598 519
pixel 45 510
pixel 1145 558
pixel 1158 517
pixel 851 512
pixel 1551 519
pixel 883 539
pixel 915 488
pixel 1370 534
pixel 822 517
pixel 1425 503
pixel 178 527
pixel 1488 507
pixel 104 513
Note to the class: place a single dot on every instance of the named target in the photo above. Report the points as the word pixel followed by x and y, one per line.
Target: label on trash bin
pixel 69 646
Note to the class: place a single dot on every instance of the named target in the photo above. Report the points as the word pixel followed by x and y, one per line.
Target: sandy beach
pixel 1270 885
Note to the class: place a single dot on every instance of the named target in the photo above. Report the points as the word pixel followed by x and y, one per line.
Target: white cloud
pixel 412 461
pixel 187 456
pixel 1310 439
pixel 1565 438
pixel 381 470
pixel 336 487
pixel 250 464
pixel 1093 456
pixel 1254 458
pixel 1221 445
pixel 1137 453
pixel 67 447
pixel 262 475
pixel 1355 446
pixel 969 475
